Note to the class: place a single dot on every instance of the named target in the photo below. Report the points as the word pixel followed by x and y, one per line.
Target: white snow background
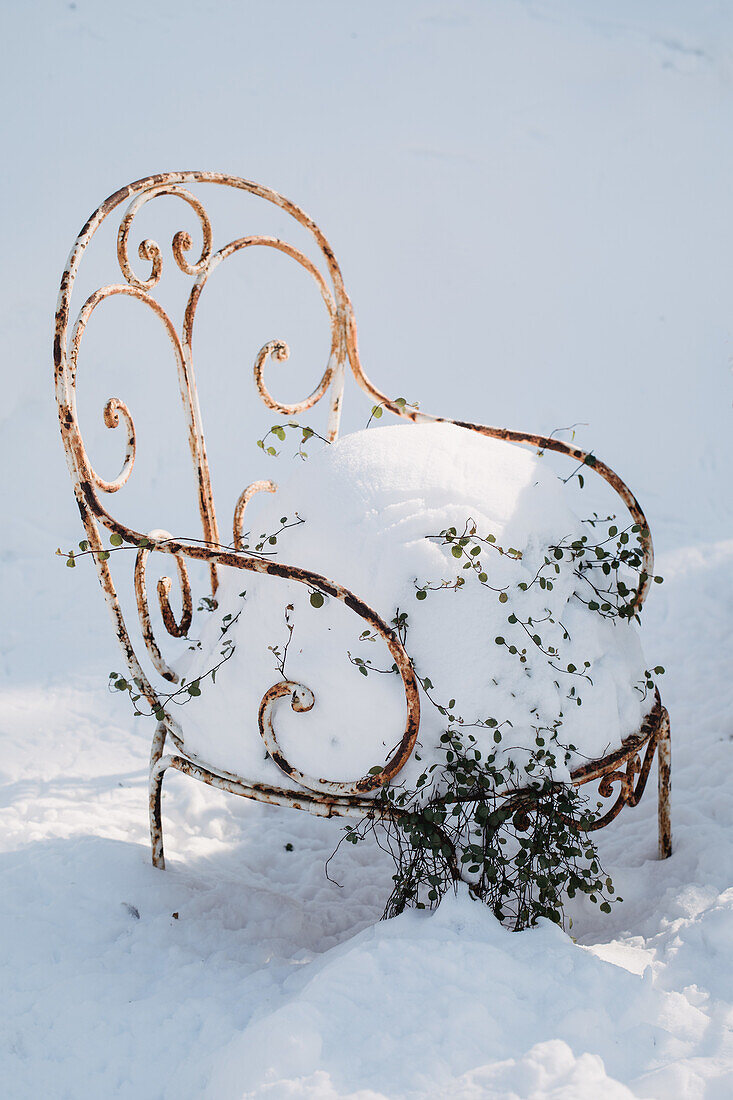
pixel 531 205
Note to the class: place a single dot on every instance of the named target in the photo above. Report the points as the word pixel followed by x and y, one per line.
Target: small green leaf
pixel 316 599
pixel 116 539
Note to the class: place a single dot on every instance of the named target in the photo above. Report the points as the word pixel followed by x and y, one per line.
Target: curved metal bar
pixel 544 442
pixel 114 406
pixel 150 250
pixel 260 792
pixel 631 747
pixel 112 411
pixel 276 349
pixel 301 701
pixel 249 492
pixel 72 435
pixel 607 772
pixel 176 630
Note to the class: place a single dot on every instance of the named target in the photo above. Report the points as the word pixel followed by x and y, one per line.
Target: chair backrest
pixel 91 489
pixel 88 484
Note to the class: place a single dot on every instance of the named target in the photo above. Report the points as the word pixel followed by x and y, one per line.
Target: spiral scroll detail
pixel 249 492
pixel 151 251
pixel 175 629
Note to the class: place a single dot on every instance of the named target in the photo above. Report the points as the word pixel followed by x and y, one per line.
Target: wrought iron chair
pixel 621 775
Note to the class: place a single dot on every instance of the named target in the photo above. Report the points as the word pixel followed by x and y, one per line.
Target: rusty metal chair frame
pixel 624 768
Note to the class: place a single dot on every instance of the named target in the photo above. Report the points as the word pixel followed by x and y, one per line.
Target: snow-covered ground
pixel 531 205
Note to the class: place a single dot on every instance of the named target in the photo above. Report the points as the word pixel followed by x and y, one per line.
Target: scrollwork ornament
pixel 302 700
pixel 113 409
pixel 249 492
pixel 278 350
pixel 175 629
pixel 626 779
pixel 150 250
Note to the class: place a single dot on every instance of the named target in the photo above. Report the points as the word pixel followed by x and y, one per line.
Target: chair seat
pixel 368 504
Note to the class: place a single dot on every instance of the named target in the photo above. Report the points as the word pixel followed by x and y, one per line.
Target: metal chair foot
pixel 155 790
pixel 664 765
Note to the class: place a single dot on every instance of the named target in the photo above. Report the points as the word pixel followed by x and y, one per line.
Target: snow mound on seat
pixel 368 503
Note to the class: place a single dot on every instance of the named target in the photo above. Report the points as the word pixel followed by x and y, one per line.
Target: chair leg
pixel 155 789
pixel 664 765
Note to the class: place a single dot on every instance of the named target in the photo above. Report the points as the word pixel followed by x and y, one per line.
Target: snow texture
pixel 531 205
pixel 368 503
